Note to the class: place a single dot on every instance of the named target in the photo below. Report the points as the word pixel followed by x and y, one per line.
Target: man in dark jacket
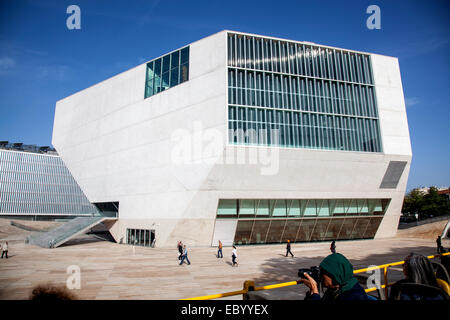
pixel 288 248
pixel 439 245
pixel 333 247
pixel 337 276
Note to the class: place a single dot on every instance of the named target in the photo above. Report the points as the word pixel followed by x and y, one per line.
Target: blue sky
pixel 41 61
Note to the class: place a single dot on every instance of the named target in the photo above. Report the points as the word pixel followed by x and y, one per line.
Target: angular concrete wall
pixel 394 131
pixel 122 147
pixel 119 146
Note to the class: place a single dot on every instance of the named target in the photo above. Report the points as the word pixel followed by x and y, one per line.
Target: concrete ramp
pixel 65 232
pixel 428 231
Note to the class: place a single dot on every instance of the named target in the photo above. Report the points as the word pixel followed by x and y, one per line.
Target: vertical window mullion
pixel 280 57
pixel 254 53
pixel 335 135
pixel 281 88
pixel 364 133
pixel 327 63
pixel 244 42
pixel 235 60
pixel 297 59
pixel 377 135
pixel 344 133
pixel 366 69
pixel 359 138
pixel 359 66
pixel 271 56
pixel 322 72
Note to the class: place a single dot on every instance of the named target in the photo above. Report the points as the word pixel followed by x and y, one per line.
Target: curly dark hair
pixel 51 293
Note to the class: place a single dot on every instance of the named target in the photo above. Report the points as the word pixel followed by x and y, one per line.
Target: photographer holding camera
pixel 335 273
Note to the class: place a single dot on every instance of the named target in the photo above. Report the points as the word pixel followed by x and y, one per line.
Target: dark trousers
pixel 288 251
pixel 219 253
pixel 233 257
pixel 5 252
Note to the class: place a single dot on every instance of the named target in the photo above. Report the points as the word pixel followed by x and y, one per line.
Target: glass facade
pixel 167 71
pixel 299 220
pixel 39 184
pixel 300 95
pixel 140 237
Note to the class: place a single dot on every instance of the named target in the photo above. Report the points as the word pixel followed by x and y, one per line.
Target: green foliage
pixel 426 204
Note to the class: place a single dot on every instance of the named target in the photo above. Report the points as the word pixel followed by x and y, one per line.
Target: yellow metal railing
pixel 385 267
pixel 250 285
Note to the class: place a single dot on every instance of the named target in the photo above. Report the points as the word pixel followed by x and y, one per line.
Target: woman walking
pixel 234 256
pixel 180 249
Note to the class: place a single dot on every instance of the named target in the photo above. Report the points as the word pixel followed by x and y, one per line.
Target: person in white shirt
pixel 234 256
pixel 5 250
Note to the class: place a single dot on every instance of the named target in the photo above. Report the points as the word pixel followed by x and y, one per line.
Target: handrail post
pixel 385 282
pixel 249 285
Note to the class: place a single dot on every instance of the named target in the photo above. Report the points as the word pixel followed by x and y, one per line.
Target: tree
pixel 413 202
pixel 426 205
pixel 434 204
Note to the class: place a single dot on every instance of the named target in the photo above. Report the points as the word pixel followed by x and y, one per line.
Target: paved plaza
pixel 119 271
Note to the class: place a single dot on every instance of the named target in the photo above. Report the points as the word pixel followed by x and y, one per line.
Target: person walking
pixel 5 250
pixel 288 248
pixel 234 256
pixel 333 247
pixel 439 245
pixel 180 250
pixel 185 256
pixel 219 251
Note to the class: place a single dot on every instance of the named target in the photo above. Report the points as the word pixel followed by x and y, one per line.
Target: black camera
pixel 313 272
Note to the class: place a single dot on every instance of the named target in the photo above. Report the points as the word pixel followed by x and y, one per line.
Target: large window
pixel 297 208
pixel 302 96
pixel 167 71
pixel 302 220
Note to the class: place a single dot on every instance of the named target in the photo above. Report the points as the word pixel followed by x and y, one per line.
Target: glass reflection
pixel 259 232
pixel 279 208
pixel 259 227
pixel 227 207
pixel 295 88
pixel 305 230
pixel 320 229
pixel 333 229
pixel 347 228
pixel 243 232
pixel 263 209
pixel 246 208
pixel 372 227
pixel 360 228
pixel 167 71
pixel 291 229
pixel 275 231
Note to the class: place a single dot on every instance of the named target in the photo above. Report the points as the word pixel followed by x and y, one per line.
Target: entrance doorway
pixel 141 237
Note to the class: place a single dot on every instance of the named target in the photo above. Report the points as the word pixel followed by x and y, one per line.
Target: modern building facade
pixel 243 138
pixel 35 184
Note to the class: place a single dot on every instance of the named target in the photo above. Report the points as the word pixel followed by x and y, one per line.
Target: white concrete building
pixel 322 132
